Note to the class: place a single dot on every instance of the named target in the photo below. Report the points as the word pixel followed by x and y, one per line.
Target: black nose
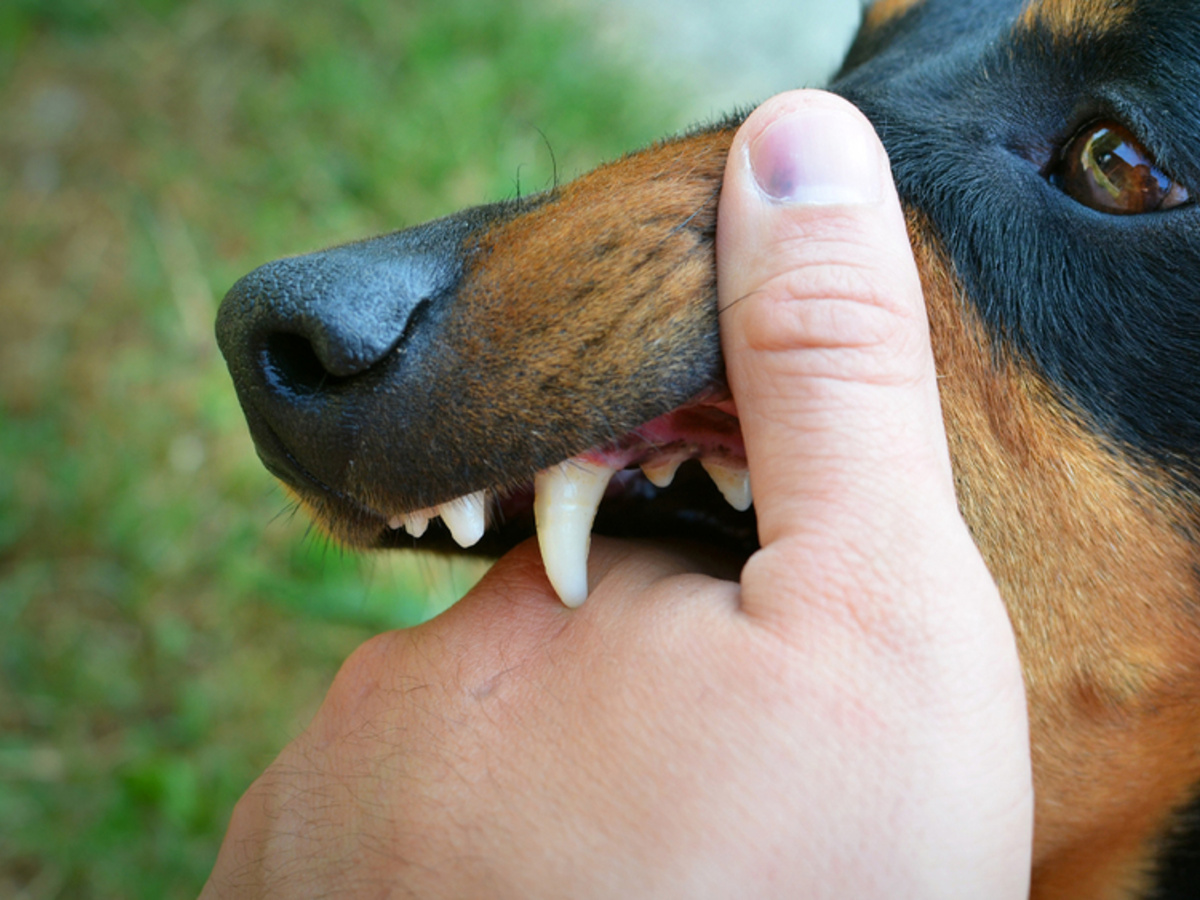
pixel 307 338
pixel 335 314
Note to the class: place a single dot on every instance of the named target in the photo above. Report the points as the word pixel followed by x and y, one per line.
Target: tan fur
pixel 622 258
pixel 1070 19
pixel 1088 551
pixel 883 11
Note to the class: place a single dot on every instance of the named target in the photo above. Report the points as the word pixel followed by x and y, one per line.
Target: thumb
pixel 823 325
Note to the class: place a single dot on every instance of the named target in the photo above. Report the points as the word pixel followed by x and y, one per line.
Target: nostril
pixel 292 366
pixel 306 325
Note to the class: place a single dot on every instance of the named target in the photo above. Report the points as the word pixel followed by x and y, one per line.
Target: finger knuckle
pixel 841 331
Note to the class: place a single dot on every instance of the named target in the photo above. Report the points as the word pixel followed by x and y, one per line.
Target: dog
pixel 419 384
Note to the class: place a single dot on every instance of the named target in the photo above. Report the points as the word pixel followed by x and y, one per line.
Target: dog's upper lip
pixel 560 504
pixel 706 428
pixel 279 461
pixel 566 498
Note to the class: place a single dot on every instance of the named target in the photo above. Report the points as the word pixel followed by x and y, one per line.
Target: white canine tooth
pixel 734 484
pixel 566 498
pixel 661 473
pixel 417 522
pixel 466 518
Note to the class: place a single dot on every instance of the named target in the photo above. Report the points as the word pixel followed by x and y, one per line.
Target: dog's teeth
pixel 416 523
pixel 566 498
pixel 395 523
pixel 466 518
pixel 661 474
pixel 734 484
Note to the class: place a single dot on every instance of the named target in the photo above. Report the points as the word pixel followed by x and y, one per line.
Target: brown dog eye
pixel 1106 168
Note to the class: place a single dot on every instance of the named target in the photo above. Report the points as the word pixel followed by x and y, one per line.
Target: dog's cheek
pixel 1090 552
pixel 596 311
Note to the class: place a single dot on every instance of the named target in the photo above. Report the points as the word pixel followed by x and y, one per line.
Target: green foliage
pixel 166 622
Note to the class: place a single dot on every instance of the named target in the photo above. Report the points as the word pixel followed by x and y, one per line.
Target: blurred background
pixel 166 622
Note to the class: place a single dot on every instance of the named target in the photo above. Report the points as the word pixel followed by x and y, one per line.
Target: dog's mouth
pixel 648 483
pixel 475 381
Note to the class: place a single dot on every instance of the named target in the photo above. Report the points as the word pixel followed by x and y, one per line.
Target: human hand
pixel 847 721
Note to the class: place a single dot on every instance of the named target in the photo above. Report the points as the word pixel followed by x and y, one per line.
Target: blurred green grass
pixel 165 623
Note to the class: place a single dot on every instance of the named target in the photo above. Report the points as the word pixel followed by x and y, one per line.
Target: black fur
pixel 973 110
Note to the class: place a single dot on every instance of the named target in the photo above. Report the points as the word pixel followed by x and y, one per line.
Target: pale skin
pixel 845 720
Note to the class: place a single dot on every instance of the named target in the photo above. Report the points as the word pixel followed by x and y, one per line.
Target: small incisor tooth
pixel 566 498
pixel 466 518
pixel 416 523
pixel 661 474
pixel 734 484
